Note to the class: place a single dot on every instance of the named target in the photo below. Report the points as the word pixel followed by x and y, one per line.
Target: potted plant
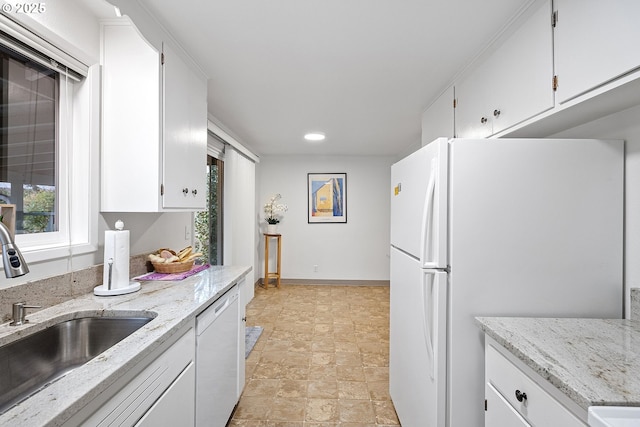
pixel 271 210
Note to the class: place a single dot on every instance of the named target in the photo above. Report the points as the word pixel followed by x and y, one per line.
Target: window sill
pixel 54 252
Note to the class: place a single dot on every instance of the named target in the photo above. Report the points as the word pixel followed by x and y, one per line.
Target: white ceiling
pixel 361 71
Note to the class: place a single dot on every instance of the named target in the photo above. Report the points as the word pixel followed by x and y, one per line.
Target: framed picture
pixel 327 198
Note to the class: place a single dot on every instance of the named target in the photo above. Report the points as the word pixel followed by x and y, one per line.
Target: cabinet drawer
pixel 131 402
pixel 499 413
pixel 539 408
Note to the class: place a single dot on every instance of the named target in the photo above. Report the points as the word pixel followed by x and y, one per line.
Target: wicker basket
pixel 173 267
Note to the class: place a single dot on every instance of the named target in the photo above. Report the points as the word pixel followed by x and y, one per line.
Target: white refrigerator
pixel 502 227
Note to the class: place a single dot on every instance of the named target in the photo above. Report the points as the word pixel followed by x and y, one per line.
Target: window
pixel 49 140
pixel 29 108
pixel 208 224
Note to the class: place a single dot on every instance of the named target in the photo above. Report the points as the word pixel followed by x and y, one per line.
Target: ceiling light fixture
pixel 314 136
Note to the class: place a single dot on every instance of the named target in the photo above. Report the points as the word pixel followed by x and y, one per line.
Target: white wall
pixel 623 125
pixel 357 250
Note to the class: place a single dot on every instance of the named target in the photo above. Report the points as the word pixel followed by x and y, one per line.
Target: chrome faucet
pixel 12 260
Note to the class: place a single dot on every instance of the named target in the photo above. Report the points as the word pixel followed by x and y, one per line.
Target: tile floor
pixel 322 360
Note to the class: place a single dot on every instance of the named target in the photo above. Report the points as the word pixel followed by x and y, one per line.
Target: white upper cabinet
pixel 513 83
pixel 154 120
pixel 473 103
pixel 596 42
pixel 185 134
pixel 438 119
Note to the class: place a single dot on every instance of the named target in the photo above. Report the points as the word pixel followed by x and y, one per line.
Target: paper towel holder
pixel 121 254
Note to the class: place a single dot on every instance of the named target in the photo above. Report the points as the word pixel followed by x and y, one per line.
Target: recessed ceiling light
pixel 314 136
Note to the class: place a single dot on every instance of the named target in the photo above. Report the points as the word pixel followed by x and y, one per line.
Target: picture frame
pixel 326 198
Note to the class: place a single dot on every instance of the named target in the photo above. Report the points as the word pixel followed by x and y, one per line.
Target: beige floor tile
pixel 287 409
pixel 376 373
pixel 261 388
pixel 325 389
pixel 323 372
pixel 378 390
pixel 350 373
pixel 356 411
pixel 301 346
pixel 247 423
pixel 385 413
pixel 294 372
pixel 347 346
pixel 292 388
pixel 321 361
pixel 322 410
pixel 253 408
pixel 353 390
pixel 344 358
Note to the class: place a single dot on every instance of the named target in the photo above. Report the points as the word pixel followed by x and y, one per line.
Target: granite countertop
pixel 595 362
pixel 174 305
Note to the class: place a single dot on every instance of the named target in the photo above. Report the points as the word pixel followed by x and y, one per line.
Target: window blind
pixel 20 39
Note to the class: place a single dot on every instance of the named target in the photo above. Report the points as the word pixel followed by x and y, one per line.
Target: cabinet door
pixel 473 105
pixel 176 407
pixel 437 120
pixel 130 172
pixel 522 72
pixel 184 134
pixel 242 323
pixel 595 42
pixel 513 83
pixel 499 413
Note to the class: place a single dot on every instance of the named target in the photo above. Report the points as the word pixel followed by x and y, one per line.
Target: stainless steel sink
pixel 35 361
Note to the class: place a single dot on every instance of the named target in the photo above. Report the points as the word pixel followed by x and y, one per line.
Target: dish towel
pixel 173 276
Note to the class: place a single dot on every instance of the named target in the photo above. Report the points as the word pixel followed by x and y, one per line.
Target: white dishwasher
pixel 217 361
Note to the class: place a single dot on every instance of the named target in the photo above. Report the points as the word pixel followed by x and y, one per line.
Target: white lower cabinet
pixel 242 321
pixel 501 413
pixel 161 386
pixel 515 398
pixel 175 406
pixel 195 378
pixel 149 391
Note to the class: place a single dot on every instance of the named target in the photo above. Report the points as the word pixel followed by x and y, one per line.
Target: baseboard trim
pixel 259 282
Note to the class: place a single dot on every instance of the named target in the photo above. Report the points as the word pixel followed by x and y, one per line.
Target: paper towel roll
pixel 116 252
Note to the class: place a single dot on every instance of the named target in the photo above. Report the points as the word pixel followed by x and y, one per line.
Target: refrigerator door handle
pixel 426 236
pixel 427 288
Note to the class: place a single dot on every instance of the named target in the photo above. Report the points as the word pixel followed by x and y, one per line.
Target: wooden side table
pixel 268 275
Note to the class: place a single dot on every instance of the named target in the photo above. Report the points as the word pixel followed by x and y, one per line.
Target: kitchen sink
pixel 614 416
pixel 35 361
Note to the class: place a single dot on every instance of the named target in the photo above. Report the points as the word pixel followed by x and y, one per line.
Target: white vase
pixel 272 228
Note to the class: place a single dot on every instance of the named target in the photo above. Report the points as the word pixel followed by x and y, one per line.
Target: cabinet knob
pixel 185 190
pixel 194 191
pixel 496 113
pixel 484 120
pixel 521 396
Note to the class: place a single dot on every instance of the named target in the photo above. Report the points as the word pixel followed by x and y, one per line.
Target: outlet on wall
pixel 315 268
